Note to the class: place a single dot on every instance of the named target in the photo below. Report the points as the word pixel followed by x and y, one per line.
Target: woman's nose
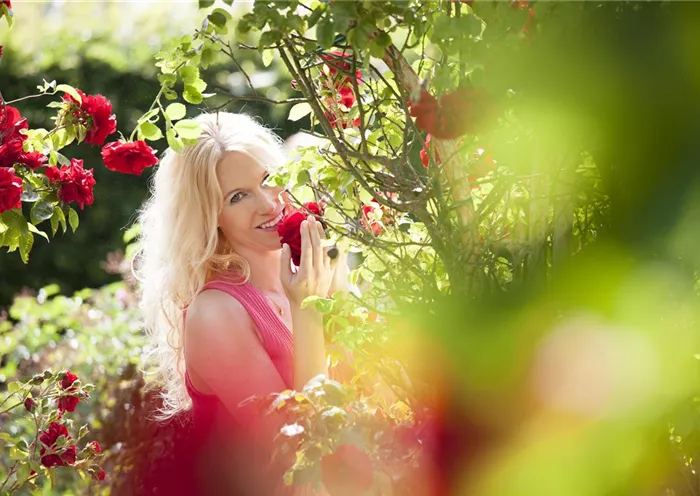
pixel 270 200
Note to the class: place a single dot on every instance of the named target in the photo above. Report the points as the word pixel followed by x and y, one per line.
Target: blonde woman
pixel 222 304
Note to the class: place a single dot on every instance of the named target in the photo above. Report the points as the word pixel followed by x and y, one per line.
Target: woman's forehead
pixel 238 169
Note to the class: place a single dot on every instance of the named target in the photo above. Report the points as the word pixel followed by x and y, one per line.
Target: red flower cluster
pixel 338 87
pixel 347 472
pixel 68 399
pixel 75 183
pixel 289 228
pixel 375 215
pixel 369 217
pixel 459 112
pixel 128 157
pixel 95 112
pixel 12 141
pixel 10 189
pixel 52 456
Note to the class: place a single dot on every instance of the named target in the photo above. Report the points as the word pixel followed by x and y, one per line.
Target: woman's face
pixel 251 207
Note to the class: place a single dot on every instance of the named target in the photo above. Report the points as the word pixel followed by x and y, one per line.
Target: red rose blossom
pixel 128 157
pixel 52 456
pixel 96 113
pixel 67 403
pixel 101 475
pixel 8 3
pixel 347 472
pixel 76 183
pixel 10 189
pixel 11 137
pixel 289 228
pixel 369 222
pixel 425 153
pixel 29 404
pixel 32 160
pixel 459 112
pixel 95 446
pixel 68 379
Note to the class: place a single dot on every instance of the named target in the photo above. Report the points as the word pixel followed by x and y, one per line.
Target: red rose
pixel 68 379
pixel 462 111
pixel 32 160
pixel 95 446
pixel 369 222
pixel 347 97
pixel 10 189
pixel 8 3
pixel 10 152
pixel 128 157
pixel 347 472
pixel 76 183
pixel 11 125
pixel 289 228
pixel 29 404
pixel 52 456
pixel 101 475
pixel 96 113
pixel 67 403
pixel 337 60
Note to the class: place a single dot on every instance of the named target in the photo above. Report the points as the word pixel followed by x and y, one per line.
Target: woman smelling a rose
pixel 222 302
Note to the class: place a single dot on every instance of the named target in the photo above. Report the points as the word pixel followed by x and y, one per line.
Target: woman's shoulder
pixel 211 306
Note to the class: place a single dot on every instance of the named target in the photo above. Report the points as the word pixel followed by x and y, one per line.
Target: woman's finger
pixel 316 242
pixel 285 265
pixel 322 236
pixel 306 263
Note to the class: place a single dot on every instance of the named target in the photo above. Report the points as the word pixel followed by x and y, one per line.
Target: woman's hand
pixel 315 274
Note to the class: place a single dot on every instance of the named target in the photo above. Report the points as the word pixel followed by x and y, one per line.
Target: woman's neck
pixel 265 270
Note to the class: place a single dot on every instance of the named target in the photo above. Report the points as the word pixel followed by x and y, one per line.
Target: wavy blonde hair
pixel 181 246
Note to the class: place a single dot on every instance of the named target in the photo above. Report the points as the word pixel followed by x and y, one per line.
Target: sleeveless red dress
pixel 212 453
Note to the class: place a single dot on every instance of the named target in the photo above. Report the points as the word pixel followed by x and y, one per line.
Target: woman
pixel 222 304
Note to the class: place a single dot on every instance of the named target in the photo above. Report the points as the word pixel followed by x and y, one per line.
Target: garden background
pixel 552 326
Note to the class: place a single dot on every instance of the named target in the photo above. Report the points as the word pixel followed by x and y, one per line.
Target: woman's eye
pixel 236 197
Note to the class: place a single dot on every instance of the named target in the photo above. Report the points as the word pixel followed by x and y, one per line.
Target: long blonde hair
pixel 181 246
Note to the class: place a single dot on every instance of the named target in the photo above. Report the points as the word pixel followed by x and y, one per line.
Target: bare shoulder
pixel 212 307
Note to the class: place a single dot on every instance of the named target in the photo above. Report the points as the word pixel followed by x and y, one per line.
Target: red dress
pixel 212 454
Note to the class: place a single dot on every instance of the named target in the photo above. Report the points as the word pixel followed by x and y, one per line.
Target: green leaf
pixel 325 32
pixel 217 19
pixel 192 95
pixel 26 241
pixel 150 131
pixel 40 212
pixel 316 15
pixel 188 129
pixel 205 4
pixel 322 305
pixel 148 116
pixel 267 57
pixel 35 230
pixel 60 217
pixel 383 39
pixel 174 142
pixel 73 218
pixel 188 74
pixel 299 110
pixel 175 111
pixel 66 88
pixel 13 387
